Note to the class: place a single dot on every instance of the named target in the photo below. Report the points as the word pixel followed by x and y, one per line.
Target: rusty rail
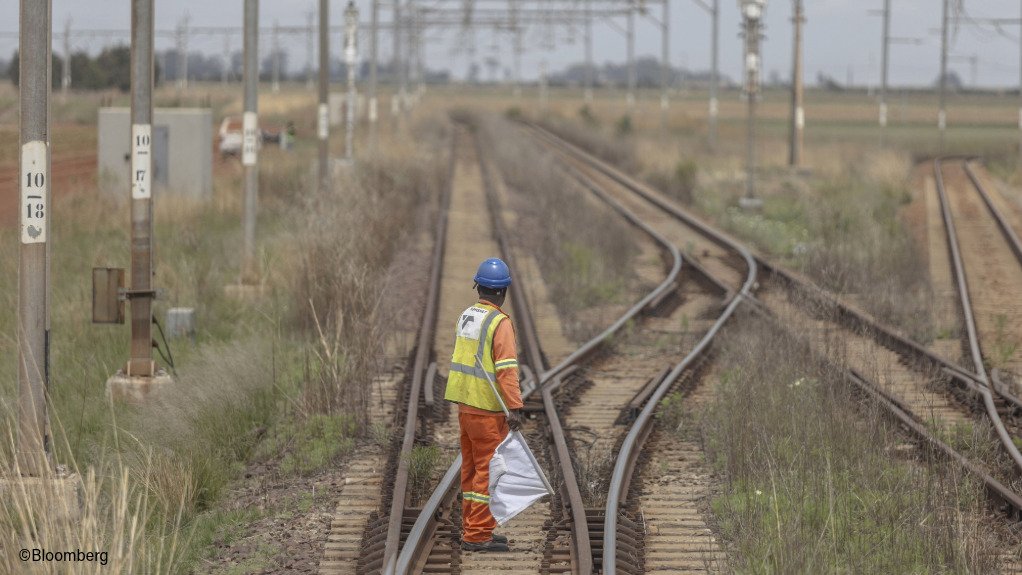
pixel 962 285
pixel 970 382
pixel 639 430
pixel 423 350
pixel 425 524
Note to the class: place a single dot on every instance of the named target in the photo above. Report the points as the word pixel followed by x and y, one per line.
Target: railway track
pixel 605 396
pixel 926 394
pixel 985 257
pixel 592 389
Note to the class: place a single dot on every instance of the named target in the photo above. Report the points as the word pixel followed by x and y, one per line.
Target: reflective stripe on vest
pixel 466 381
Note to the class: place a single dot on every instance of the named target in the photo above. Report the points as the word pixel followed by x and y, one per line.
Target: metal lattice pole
pixel 251 141
pixel 752 11
pixel 33 254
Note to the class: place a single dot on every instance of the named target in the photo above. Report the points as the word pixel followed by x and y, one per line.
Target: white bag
pixel 516 480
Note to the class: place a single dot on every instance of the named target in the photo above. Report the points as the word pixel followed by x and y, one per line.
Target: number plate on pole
pixel 324 122
pixel 250 138
pixel 141 161
pixel 35 192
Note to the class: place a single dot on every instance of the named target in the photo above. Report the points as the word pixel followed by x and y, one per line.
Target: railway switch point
pixel 136 388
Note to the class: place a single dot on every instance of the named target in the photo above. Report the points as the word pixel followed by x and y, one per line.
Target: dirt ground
pixel 291 525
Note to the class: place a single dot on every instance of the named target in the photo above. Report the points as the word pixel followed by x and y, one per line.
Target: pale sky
pixel 842 38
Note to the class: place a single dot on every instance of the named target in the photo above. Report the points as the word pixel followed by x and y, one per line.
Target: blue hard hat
pixel 493 274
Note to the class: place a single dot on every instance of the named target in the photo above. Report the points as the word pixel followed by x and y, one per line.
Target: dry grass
pixel 586 253
pixel 260 380
pixel 344 246
pixel 816 481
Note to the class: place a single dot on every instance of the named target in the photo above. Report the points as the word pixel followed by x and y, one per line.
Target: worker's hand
pixel 514 419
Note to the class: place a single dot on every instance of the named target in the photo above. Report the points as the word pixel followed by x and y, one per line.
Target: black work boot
pixel 500 538
pixel 491 546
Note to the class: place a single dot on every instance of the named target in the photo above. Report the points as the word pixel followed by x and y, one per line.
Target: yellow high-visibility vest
pixel 466 382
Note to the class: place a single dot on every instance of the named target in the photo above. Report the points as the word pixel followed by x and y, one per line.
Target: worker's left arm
pixel 505 359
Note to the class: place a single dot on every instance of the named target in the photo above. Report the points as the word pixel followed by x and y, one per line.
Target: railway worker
pixel 486 332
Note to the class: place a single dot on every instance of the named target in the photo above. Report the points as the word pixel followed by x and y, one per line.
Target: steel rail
pixel 581 549
pixel 627 453
pixel 424 524
pixel 962 284
pixel 1016 247
pixel 883 335
pixel 857 319
pixel 423 350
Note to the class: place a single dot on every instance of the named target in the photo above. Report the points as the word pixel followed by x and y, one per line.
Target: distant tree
pixel 14 67
pixel 954 81
pixel 3 67
pixel 85 74
pixel 828 83
pixel 115 64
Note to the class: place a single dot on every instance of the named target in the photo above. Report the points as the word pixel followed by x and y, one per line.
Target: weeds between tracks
pixel 258 384
pixel 585 252
pixel 816 481
pixel 841 227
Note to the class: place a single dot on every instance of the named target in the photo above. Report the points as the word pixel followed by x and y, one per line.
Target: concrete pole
pixel 518 50
pixel 398 53
pixel 630 98
pixel 351 59
pixel 665 62
pixel 33 445
pixel 542 87
pixel 420 59
pixel 797 111
pixel 310 48
pixel 251 142
pixel 182 53
pixel 942 113
pixel 142 32
pixel 373 64
pixel 65 77
pixel 884 60
pixel 275 84
pixel 225 74
pixel 323 115
pixel 589 52
pixel 714 75
pixel 406 56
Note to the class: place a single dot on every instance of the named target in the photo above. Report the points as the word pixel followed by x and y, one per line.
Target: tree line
pixel 109 69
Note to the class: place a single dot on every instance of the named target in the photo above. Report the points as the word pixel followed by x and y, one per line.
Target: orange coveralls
pixel 481 433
